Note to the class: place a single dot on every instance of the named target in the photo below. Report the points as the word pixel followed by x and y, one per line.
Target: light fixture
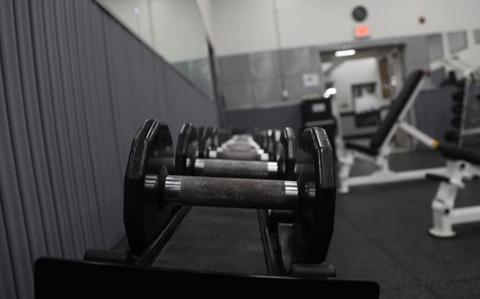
pixel 344 53
pixel 330 92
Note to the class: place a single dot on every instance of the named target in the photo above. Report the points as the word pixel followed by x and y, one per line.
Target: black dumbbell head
pixel 223 136
pixel 316 182
pixel 143 219
pixel 271 144
pixel 205 141
pixel 215 143
pixel 187 148
pixel 287 159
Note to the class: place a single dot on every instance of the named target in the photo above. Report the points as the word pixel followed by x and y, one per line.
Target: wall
pixel 250 26
pixel 251 37
pixel 243 26
pixel 263 79
pixel 205 8
pixel 178 31
pixel 74 87
pixel 135 15
pixel 172 27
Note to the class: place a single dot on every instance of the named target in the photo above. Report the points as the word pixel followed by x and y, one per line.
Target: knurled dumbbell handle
pixel 229 192
pixel 236 168
pixel 238 155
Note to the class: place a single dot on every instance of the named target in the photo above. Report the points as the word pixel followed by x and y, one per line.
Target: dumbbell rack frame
pixel 62 278
pixel 273 259
pixel 151 253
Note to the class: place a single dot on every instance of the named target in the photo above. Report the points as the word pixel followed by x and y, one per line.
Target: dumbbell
pixel 311 197
pixel 211 138
pixel 206 141
pixel 268 140
pixel 273 144
pixel 236 147
pixel 192 144
pixel 187 162
pixel 223 135
pixel 239 148
pixel 143 220
pixel 260 137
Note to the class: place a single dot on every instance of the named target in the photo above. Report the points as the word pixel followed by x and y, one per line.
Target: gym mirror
pixel 172 28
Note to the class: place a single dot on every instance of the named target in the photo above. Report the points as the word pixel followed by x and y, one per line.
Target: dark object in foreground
pixel 55 278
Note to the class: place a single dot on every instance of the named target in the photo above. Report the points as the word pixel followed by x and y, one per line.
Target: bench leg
pixel 442 208
pixel 346 163
pixel 445 215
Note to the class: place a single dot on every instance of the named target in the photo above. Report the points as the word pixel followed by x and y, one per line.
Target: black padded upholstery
pixel 362 148
pixel 394 112
pixel 437 177
pixel 456 153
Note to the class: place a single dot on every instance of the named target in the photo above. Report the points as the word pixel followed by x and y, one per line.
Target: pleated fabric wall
pixel 74 87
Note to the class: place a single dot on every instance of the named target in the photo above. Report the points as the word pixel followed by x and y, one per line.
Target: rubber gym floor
pixel 380 235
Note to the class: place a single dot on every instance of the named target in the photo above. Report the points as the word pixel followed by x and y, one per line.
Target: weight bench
pixel 379 148
pixel 462 165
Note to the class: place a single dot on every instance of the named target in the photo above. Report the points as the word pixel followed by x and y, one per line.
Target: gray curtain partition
pixel 74 87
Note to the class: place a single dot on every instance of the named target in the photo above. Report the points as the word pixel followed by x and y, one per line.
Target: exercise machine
pixel 379 148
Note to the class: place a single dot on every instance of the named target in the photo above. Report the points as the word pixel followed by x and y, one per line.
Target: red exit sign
pixel 362 31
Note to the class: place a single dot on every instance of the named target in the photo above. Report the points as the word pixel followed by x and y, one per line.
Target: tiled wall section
pixel 273 78
pixel 476 36
pixel 457 41
pixel 197 70
pixel 435 46
pixel 267 78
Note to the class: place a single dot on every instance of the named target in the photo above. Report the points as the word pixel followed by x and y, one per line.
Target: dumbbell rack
pixel 466 102
pixel 294 200
pixel 470 124
pixel 295 225
pixel 282 246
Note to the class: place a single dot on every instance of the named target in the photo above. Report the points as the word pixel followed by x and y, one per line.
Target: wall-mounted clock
pixel 359 13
